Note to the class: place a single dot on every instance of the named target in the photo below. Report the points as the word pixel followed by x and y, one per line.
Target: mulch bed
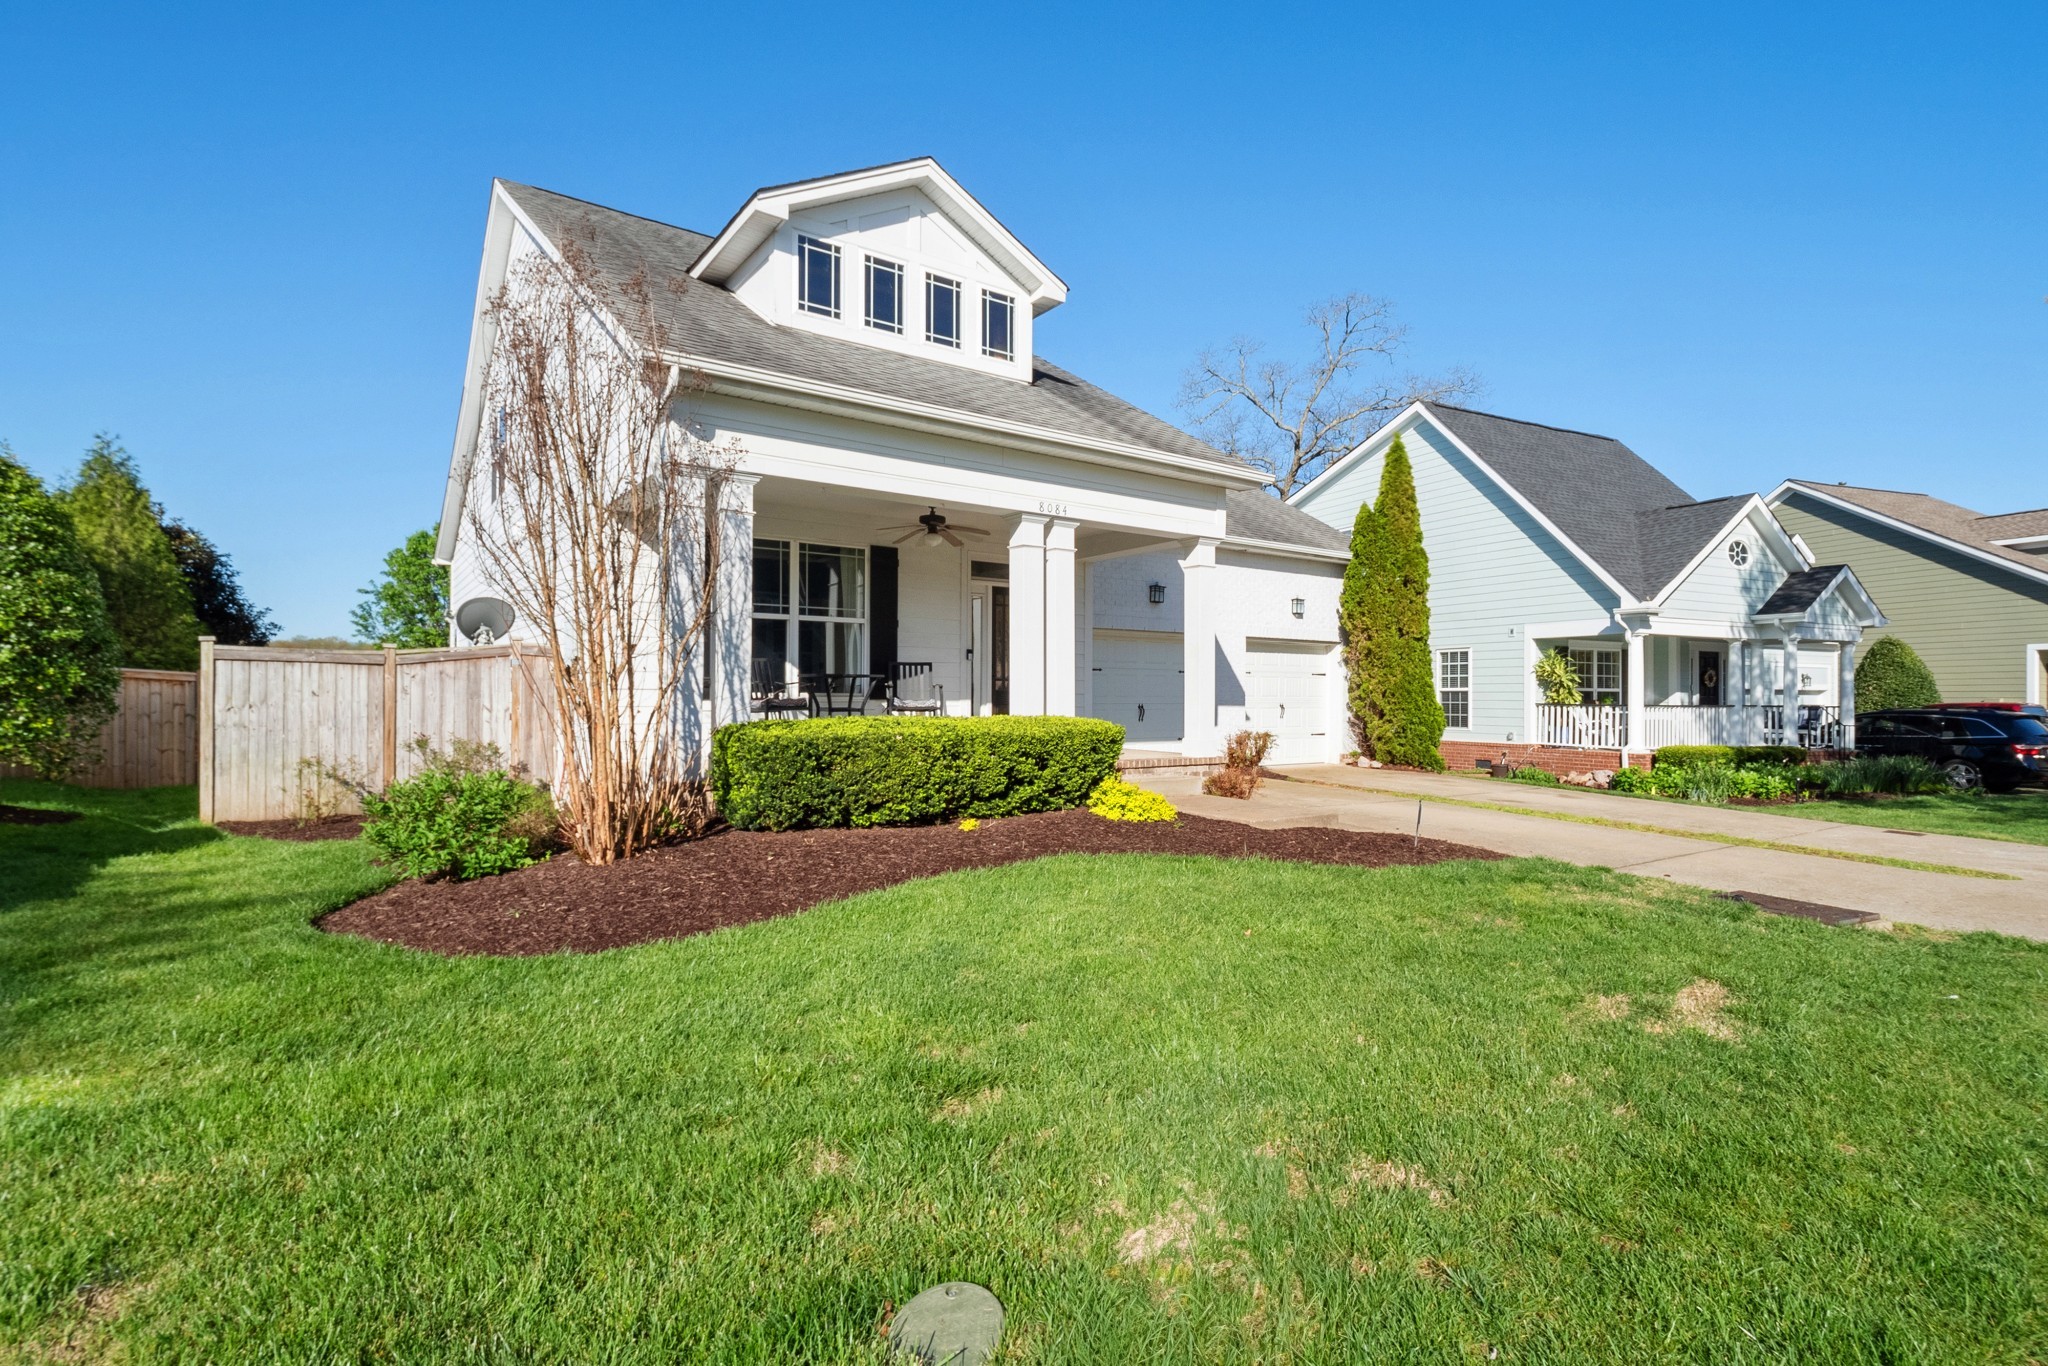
pixel 737 877
pixel 326 828
pixel 31 815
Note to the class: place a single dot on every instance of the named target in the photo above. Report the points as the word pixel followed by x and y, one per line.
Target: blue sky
pixel 1751 241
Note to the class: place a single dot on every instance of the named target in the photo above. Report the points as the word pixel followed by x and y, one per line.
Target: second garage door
pixel 1286 691
pixel 1137 678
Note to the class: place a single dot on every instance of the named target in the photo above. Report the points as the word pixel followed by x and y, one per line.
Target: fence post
pixel 205 701
pixel 390 715
pixel 517 755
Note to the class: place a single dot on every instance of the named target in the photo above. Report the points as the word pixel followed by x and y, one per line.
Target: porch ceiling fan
pixel 935 529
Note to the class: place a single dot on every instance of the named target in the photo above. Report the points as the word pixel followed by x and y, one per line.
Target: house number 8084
pixel 1056 509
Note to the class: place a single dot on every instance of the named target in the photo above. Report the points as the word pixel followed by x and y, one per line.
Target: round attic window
pixel 1738 552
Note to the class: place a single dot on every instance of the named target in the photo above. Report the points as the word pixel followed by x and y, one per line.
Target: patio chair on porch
pixel 775 696
pixel 840 694
pixel 913 690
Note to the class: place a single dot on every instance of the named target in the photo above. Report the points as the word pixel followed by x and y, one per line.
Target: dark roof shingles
pixel 1256 515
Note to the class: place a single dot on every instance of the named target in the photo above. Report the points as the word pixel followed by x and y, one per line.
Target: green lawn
pixel 2020 816
pixel 1169 1109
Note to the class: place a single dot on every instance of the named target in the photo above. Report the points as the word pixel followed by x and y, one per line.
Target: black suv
pixel 1993 747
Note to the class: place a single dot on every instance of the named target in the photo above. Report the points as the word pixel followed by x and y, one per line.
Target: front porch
pixel 1608 727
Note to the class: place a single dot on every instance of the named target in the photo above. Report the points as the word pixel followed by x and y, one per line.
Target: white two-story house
pixel 919 490
pixel 1690 622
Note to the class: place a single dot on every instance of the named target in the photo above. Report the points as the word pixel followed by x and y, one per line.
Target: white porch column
pixel 1059 618
pixel 1198 649
pixel 1789 688
pixel 1845 693
pixel 684 587
pixel 1027 617
pixel 731 644
pixel 1637 717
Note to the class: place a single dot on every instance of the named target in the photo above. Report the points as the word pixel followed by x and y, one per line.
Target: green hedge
pixel 1892 674
pixel 1730 755
pixel 902 770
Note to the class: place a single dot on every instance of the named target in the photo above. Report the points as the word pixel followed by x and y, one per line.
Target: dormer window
pixel 998 314
pixel 885 294
pixel 817 277
pixel 941 310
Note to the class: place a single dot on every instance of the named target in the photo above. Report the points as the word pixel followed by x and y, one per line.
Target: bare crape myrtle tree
pixel 593 509
pixel 1292 418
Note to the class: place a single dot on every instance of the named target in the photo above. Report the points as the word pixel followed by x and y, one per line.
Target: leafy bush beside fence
pixel 902 770
pixel 462 816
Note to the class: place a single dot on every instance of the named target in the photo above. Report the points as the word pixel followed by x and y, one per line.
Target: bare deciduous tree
pixel 1292 418
pixel 589 508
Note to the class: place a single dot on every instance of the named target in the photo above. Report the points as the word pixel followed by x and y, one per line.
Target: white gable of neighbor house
pixel 1493 568
pixel 906 227
pixel 1718 589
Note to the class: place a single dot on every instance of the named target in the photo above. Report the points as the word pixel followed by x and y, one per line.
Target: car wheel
pixel 1963 775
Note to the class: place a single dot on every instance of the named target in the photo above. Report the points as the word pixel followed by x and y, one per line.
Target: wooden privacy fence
pixel 277 728
pixel 153 738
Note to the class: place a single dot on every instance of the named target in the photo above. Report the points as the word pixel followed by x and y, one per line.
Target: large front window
pixel 1454 687
pixel 817 277
pixel 1599 676
pixel 810 610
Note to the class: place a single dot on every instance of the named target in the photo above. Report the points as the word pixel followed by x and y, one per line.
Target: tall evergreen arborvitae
pixel 120 529
pixel 1385 615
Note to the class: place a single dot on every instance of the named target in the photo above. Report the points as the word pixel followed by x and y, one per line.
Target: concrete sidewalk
pixel 1378 799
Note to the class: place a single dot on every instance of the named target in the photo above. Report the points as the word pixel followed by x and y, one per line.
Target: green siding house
pixel 1966 590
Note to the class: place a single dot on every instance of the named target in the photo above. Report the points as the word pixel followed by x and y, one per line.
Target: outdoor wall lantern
pixel 1299 606
pixel 1156 593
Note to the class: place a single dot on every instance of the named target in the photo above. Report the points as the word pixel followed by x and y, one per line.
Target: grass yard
pixel 2021 817
pixel 1169 1109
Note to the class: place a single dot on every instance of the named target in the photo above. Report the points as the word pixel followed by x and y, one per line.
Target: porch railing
pixel 1582 727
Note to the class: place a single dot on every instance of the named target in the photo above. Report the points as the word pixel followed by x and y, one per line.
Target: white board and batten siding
pixel 1492 569
pixel 268 716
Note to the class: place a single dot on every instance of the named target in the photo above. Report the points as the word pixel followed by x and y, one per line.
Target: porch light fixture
pixel 1156 594
pixel 1298 606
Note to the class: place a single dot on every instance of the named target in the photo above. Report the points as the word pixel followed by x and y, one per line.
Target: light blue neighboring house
pixel 1690 622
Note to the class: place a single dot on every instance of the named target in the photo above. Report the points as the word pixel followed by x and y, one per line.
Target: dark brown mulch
pixel 736 877
pixel 33 815
pixel 326 828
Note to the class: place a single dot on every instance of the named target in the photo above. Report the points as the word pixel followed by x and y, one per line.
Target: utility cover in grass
pixel 955 1324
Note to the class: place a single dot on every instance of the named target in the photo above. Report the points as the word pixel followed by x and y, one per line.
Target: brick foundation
pixel 1466 754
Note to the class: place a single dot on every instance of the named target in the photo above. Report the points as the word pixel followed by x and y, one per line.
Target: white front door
pixel 1286 691
pixel 1138 683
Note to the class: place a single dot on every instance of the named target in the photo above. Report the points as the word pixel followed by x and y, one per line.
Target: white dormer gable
pixel 898 257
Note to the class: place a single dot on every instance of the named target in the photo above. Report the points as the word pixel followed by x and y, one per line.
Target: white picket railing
pixel 1582 727
pixel 1818 727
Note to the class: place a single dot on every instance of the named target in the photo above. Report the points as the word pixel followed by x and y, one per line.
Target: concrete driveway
pixel 1560 823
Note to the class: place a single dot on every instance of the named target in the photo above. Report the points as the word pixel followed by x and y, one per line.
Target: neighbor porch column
pixel 1845 693
pixel 731 646
pixel 1634 715
pixel 1198 649
pixel 1027 617
pixel 1059 618
pixel 1789 686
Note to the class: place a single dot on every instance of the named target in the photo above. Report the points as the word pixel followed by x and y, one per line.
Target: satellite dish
pixel 484 620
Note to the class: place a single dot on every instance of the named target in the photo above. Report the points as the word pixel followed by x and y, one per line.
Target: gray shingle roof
pixel 1613 504
pixel 1256 515
pixel 1949 520
pixel 709 322
pixel 1800 591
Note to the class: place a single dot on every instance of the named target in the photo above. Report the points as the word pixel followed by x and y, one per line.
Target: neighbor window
pixel 817 277
pixel 941 310
pixel 998 314
pixel 885 295
pixel 816 629
pixel 1599 676
pixel 1454 687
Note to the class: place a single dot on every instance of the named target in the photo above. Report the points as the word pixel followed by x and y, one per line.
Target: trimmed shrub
pixel 1116 800
pixel 1892 674
pixel 906 770
pixel 1740 756
pixel 449 823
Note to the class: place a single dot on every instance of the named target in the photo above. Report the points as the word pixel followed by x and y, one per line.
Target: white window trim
pixel 932 282
pixel 1437 668
pixel 989 297
pixel 805 243
pixel 886 265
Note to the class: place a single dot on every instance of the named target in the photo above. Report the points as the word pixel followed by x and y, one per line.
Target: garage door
pixel 1286 691
pixel 1138 683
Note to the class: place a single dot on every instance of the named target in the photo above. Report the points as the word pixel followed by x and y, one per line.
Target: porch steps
pixel 1138 765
